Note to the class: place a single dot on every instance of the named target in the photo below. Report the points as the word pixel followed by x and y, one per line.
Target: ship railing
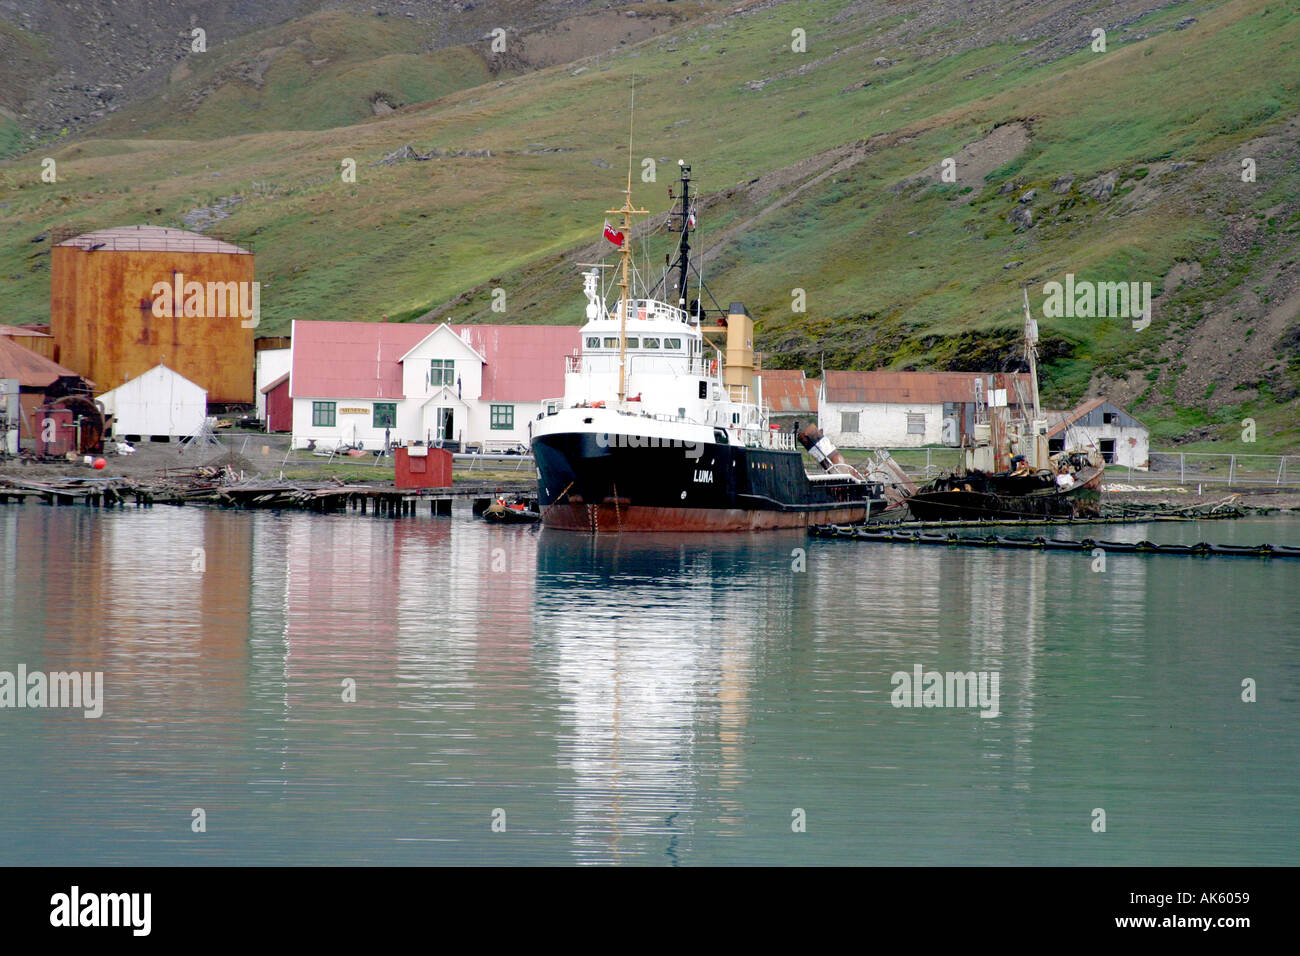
pixel 642 309
pixel 770 438
pixel 641 364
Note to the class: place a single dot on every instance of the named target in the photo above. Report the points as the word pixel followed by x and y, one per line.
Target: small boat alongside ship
pixel 501 511
pixel 1009 470
pixel 663 427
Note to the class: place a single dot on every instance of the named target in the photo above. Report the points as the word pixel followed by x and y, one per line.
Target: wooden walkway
pixel 324 497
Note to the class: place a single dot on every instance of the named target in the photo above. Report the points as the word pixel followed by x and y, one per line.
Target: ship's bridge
pixel 659 338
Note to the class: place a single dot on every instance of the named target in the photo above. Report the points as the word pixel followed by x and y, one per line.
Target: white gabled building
pixel 351 383
pixel 1100 424
pixel 438 372
pixel 161 403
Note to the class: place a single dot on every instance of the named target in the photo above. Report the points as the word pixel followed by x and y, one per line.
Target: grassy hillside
pixel 820 171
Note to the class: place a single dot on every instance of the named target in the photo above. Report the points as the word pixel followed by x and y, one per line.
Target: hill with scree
pixel 1169 157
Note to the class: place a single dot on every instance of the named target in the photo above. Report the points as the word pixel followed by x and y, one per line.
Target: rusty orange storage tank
pixel 124 300
pixel 418 466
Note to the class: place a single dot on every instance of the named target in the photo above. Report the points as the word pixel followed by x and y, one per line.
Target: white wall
pixel 1132 445
pixel 443 344
pixel 880 425
pixel 472 423
pixel 159 402
pixel 269 365
pixel 525 412
pixel 351 428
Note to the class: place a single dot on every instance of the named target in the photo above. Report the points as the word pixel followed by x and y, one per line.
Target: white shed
pixel 160 402
pixel 269 365
pixel 1101 425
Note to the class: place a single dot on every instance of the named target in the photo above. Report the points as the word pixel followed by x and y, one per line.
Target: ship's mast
pixel 1031 353
pixel 684 246
pixel 626 255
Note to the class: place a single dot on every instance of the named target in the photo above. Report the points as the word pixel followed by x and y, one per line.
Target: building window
pixel 916 423
pixel 322 414
pixel 384 415
pixel 848 423
pixel 1109 418
pixel 503 416
pixel 442 372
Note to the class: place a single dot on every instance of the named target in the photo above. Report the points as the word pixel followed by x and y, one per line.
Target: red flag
pixel 612 234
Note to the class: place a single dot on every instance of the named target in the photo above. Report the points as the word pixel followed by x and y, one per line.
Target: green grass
pixel 11 137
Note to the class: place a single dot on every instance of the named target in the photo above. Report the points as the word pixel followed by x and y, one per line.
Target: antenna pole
pixel 626 254
pixel 684 247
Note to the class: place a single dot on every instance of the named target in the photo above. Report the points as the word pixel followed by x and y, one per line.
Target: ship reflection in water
pixel 650 639
pixel 631 698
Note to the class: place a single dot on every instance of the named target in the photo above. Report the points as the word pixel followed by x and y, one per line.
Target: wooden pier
pixel 322 497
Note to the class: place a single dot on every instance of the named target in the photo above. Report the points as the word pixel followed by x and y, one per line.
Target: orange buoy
pixel 99 463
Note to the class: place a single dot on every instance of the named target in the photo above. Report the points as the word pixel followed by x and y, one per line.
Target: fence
pixel 1211 468
pixel 919 463
pixel 1183 468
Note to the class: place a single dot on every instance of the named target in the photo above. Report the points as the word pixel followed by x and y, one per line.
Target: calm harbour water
pixel 647 700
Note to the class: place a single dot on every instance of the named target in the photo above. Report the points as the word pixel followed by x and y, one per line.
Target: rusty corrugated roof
pixel 31 370
pixel 150 239
pixel 1062 420
pixel 789 391
pixel 920 388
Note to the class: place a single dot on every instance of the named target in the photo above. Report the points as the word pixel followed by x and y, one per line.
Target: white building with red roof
pixel 883 409
pixel 352 383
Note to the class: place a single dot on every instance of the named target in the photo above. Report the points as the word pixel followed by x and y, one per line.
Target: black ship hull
pixel 612 485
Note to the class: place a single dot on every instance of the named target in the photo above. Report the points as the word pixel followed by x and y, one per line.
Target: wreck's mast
pixel 1031 353
pixel 1040 451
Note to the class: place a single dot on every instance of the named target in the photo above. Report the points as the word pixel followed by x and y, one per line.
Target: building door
pixel 447 424
pixel 1107 447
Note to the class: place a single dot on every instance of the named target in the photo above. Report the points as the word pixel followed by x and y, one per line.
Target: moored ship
pixel 662 426
pixel 1009 471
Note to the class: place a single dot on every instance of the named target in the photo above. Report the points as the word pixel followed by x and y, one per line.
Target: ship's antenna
pixel 625 251
pixel 631 121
